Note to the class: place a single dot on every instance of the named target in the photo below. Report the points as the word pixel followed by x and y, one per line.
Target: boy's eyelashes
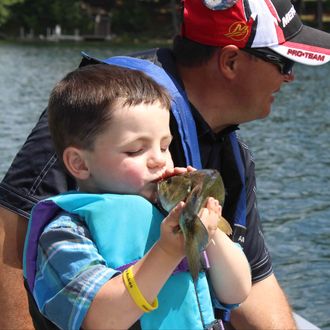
pixel 134 153
pixel 141 150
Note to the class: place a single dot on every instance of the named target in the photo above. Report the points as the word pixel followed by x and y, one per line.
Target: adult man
pixel 231 59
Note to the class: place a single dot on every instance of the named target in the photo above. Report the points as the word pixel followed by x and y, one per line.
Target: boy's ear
pixel 227 61
pixel 74 161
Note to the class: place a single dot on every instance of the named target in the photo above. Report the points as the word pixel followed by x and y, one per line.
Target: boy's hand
pixel 171 238
pixel 210 215
pixel 177 170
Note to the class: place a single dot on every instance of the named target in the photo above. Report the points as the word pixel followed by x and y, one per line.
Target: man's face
pixel 259 82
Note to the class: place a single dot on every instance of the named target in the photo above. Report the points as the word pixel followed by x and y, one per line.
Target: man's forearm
pixel 266 308
pixel 13 299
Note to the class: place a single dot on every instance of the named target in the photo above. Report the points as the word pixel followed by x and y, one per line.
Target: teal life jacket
pixel 124 228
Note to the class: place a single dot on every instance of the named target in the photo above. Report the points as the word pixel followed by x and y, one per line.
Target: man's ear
pixel 227 61
pixel 75 162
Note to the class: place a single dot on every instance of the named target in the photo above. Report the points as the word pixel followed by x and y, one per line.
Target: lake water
pixel 291 149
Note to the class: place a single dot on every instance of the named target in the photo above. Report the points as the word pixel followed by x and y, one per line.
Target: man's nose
pixel 289 77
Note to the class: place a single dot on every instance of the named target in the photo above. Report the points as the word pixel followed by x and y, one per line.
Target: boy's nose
pixel 157 160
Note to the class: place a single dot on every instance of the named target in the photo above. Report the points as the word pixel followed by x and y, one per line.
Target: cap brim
pixel 310 46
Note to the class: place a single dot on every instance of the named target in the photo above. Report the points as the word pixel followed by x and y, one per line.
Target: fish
pixel 194 188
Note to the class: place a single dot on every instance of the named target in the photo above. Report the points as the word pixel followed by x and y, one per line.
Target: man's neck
pixel 204 91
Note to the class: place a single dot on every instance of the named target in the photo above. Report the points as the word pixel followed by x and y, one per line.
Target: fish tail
pixel 224 226
pixel 193 256
pixel 196 238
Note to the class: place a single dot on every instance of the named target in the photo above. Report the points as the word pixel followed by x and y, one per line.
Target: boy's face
pixel 133 152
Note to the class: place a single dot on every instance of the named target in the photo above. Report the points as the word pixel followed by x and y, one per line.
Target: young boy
pixel 104 257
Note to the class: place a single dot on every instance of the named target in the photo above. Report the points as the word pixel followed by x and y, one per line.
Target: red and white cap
pixel 253 24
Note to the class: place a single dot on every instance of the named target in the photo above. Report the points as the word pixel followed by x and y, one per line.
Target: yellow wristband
pixel 135 292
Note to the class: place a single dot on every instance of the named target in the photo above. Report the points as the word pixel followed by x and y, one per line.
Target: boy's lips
pixel 161 177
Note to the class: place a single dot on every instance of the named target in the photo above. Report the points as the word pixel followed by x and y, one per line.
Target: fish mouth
pixel 159 205
pixel 155 198
pixel 152 192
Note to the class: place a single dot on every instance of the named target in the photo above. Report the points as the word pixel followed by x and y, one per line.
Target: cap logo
pixel 219 4
pixel 288 17
pixel 237 31
pixel 308 55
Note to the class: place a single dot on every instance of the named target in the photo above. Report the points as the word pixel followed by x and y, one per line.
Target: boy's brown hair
pixel 80 105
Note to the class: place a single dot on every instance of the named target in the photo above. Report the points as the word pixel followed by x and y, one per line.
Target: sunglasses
pixel 284 64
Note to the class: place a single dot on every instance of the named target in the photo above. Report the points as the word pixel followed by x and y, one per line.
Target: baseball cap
pixel 274 24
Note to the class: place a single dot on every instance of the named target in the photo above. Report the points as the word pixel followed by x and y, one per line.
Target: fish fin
pixel 195 242
pixel 224 226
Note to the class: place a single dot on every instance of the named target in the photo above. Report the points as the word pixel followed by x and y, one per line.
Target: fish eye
pixel 169 180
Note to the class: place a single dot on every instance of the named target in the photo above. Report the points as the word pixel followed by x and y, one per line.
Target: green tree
pixel 5 9
pixel 147 17
pixel 38 15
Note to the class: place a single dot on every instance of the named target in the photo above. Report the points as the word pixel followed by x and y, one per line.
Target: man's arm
pixel 13 299
pixel 265 308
